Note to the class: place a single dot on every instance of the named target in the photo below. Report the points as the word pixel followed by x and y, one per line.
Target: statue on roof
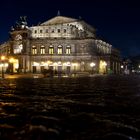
pixel 21 23
pixel 23 20
pixel 58 13
pixel 80 18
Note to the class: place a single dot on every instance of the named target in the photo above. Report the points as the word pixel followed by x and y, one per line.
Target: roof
pixel 58 20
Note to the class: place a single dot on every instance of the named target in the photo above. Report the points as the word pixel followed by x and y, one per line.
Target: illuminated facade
pixel 62 44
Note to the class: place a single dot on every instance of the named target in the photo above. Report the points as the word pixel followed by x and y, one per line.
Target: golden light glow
pixel 49 62
pixel 102 67
pixel 92 64
pixel 59 63
pixel 68 63
pixel 122 66
pixel 12 60
pixel 51 50
pixel 6 64
pixel 35 64
pixel 74 64
pixel 45 64
pixel 55 64
pixel 68 50
pixel 42 64
pixel 59 51
pixel 16 65
pixel 3 57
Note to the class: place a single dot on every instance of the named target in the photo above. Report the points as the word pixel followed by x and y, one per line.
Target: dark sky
pixel 117 21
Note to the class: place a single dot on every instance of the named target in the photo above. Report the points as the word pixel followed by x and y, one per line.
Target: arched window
pixel 68 50
pixel 59 50
pixel 51 49
pixel 58 30
pixel 46 30
pixel 34 50
pixel 65 30
pixel 42 50
pixel 18 48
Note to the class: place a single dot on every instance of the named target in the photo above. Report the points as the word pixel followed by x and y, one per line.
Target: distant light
pixel 55 64
pixel 3 57
pixel 59 63
pixel 35 64
pixel 122 66
pixel 104 63
pixel 92 64
pixel 74 64
pixel 6 64
pixel 11 60
pixel 68 63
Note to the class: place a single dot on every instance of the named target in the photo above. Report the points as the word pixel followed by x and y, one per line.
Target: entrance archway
pixel 103 67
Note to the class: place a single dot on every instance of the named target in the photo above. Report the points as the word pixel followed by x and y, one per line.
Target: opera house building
pixel 62 44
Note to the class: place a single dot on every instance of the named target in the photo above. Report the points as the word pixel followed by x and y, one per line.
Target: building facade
pixel 65 45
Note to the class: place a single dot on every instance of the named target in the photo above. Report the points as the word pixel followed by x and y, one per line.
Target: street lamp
pixel 92 65
pixel 122 66
pixel 2 66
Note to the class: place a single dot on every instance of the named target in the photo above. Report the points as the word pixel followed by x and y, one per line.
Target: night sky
pixel 117 21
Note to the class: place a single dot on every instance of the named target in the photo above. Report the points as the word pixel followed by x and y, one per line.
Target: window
pixel 35 31
pixel 58 30
pixel 46 30
pixel 52 30
pixel 40 31
pixel 42 50
pixel 65 30
pixel 59 50
pixel 18 48
pixel 68 50
pixel 51 50
pixel 34 50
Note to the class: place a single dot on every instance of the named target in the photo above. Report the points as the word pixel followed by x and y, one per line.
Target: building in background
pixel 65 45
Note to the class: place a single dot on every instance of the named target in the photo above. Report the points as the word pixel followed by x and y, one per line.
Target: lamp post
pixel 122 69
pixel 92 65
pixel 2 66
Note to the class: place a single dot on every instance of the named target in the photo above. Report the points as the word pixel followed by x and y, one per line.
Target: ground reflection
pixel 100 107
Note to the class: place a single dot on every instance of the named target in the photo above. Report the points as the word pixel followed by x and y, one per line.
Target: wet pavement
pixel 86 108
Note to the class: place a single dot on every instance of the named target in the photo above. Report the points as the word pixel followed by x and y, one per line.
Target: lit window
pixel 68 50
pixel 51 50
pixel 42 50
pixel 34 50
pixel 59 50
pixel 18 49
